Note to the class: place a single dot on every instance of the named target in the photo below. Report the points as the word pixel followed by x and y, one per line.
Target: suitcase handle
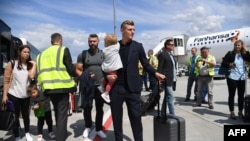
pixel 158 101
pixel 164 118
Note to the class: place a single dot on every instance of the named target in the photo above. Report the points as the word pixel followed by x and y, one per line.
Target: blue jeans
pixel 204 93
pixel 168 99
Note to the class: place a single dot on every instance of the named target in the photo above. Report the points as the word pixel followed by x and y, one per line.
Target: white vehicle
pixel 219 43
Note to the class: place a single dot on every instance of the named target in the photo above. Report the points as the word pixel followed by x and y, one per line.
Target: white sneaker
pixel 106 97
pixel 100 88
pixel 86 132
pixel 18 139
pixel 102 134
pixel 28 137
pixel 52 135
pixel 40 137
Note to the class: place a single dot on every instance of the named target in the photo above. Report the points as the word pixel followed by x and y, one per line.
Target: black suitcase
pixel 169 128
pixel 247 107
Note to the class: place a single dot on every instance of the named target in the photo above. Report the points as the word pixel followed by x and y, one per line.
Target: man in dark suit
pixel 127 85
pixel 167 66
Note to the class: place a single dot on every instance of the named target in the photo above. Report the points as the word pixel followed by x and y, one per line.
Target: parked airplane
pixel 219 43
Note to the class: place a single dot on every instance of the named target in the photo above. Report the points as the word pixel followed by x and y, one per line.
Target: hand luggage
pixel 247 108
pixel 246 103
pixel 77 103
pixel 7 119
pixel 169 127
pixel 149 101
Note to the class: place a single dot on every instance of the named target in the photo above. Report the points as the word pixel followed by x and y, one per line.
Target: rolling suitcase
pixel 169 128
pixel 247 108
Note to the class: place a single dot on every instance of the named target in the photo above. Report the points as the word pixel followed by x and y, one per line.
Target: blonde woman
pixel 235 61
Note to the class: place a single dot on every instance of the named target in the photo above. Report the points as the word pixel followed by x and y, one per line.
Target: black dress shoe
pixel 240 114
pixel 211 107
pixel 195 98
pixel 187 99
pixel 232 116
pixel 197 105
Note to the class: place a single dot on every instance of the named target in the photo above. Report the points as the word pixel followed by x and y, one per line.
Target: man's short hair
pixel 167 42
pixel 194 48
pixel 127 22
pixel 55 37
pixel 204 48
pixel 93 35
pixel 150 51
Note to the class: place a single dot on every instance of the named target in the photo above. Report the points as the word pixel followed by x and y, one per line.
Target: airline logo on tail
pixel 234 36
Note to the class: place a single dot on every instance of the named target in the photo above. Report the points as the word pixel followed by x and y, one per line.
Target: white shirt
pixel 19 82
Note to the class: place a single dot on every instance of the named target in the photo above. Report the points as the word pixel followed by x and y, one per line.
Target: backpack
pixel 12 61
pixel 84 54
pixel 224 70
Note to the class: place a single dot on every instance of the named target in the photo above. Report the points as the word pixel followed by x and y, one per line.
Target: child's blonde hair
pixel 110 39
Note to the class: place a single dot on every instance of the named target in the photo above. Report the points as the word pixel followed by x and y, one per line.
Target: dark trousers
pixel 48 119
pixel 152 82
pixel 232 86
pixel 145 80
pixel 118 95
pixel 21 105
pixel 99 112
pixel 61 105
pixel 191 80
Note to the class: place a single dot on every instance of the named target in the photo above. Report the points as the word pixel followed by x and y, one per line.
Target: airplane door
pixel 179 45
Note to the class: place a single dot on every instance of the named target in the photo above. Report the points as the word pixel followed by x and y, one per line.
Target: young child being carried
pixel 112 62
pixel 42 110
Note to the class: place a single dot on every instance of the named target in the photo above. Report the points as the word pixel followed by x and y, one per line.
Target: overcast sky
pixel 36 20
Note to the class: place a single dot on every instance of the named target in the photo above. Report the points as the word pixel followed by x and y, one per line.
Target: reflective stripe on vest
pixel 52 73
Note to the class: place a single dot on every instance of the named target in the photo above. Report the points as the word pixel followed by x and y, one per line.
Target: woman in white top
pixel 235 61
pixel 17 76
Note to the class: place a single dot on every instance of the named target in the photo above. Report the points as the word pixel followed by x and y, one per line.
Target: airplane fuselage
pixel 219 43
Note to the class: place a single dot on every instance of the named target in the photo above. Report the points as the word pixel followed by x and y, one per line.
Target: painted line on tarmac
pixel 107 120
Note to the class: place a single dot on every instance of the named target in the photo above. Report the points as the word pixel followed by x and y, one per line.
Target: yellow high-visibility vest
pixel 52 73
pixel 210 69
